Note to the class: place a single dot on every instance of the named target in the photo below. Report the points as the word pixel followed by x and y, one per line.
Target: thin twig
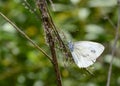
pixel 114 46
pixel 20 31
pixel 110 21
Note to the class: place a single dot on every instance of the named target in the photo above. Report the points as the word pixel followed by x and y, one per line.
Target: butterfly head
pixel 71 46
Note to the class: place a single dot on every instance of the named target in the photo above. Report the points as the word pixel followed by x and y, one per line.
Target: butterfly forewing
pixel 95 48
pixel 85 53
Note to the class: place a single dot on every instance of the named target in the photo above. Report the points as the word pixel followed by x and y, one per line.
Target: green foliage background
pixel 23 65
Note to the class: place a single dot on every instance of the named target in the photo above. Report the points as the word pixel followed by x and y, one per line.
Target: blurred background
pixel 23 65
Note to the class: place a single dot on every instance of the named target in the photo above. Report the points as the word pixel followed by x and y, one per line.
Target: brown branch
pixel 42 5
pixel 60 41
pixel 21 32
pixel 55 64
pixel 114 46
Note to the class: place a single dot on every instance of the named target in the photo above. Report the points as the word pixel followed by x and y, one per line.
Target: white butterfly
pixel 85 53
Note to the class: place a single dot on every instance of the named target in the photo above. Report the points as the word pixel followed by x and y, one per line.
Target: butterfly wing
pixel 85 53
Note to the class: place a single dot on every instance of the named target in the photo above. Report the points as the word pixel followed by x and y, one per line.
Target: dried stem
pixel 114 46
pixel 20 31
pixel 48 28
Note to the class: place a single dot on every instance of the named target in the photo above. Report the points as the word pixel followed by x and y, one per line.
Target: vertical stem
pixel 114 45
pixel 55 64
pixel 50 39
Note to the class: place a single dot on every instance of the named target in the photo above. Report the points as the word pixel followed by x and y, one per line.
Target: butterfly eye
pixel 93 51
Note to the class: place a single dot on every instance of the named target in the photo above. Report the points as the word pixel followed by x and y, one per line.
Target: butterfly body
pixel 85 53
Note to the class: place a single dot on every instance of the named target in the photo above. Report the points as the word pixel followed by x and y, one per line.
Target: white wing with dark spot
pixel 85 53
